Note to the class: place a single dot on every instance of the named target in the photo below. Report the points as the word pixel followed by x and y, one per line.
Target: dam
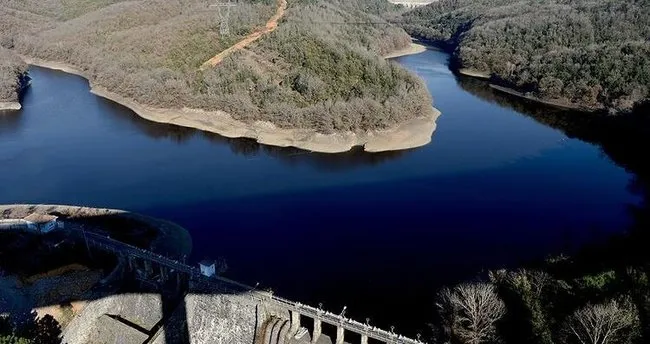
pixel 217 309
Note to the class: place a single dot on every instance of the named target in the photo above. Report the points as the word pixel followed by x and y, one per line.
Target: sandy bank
pixel 10 106
pixel 553 102
pixel 414 48
pixel 474 73
pixel 410 134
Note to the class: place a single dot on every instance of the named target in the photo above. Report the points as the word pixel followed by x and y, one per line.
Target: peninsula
pixel 295 73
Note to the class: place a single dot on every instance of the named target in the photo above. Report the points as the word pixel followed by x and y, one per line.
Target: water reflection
pixel 10 121
pixel 625 139
pixel 251 148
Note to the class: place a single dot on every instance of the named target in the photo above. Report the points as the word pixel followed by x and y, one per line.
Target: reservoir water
pixel 378 233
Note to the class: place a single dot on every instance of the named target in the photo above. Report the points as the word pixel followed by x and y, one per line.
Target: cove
pixel 378 233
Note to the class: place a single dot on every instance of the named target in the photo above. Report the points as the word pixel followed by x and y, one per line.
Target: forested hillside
pixel 592 53
pixel 12 76
pixel 315 71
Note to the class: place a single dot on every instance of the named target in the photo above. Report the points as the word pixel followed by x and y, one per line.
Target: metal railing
pixel 233 286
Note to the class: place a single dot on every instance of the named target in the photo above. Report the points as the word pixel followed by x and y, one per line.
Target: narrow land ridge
pixel 409 134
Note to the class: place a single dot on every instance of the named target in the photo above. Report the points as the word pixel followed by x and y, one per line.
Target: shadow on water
pixel 149 296
pixel 10 121
pixel 625 139
pixel 250 148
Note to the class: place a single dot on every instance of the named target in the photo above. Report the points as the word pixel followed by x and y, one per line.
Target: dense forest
pixel 590 53
pixel 317 70
pixel 13 76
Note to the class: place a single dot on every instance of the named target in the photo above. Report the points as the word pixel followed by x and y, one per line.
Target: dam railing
pixel 320 315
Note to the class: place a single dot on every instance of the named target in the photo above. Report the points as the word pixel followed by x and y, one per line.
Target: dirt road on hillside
pixel 271 25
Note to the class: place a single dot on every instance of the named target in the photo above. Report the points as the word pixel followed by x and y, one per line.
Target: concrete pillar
pixel 147 267
pixel 318 328
pixel 131 263
pixel 364 339
pixel 163 273
pixel 295 324
pixel 340 334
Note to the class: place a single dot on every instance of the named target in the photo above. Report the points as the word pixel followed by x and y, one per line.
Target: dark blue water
pixel 378 233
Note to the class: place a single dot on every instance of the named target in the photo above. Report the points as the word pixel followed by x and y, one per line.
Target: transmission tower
pixel 224 15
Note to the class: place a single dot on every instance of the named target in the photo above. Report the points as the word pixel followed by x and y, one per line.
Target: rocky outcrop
pixel 10 106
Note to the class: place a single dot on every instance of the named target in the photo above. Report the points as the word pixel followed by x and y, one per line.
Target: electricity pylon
pixel 224 15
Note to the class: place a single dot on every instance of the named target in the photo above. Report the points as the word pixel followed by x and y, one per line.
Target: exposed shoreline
pixel 551 102
pixel 511 91
pixel 474 73
pixel 10 106
pixel 413 49
pixel 481 75
pixel 410 134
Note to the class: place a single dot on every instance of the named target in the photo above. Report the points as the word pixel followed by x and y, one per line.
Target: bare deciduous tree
pixel 472 311
pixel 602 323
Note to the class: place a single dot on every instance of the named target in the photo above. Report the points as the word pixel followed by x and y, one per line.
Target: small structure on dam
pixel 147 297
pixel 208 267
pixel 215 309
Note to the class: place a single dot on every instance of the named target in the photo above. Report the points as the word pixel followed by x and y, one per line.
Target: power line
pixel 224 15
pixel 361 22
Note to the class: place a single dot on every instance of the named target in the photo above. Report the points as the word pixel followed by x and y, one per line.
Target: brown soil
pixel 270 26
pixel 56 272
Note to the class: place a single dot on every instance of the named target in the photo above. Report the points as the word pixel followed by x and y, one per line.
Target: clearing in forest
pixel 270 26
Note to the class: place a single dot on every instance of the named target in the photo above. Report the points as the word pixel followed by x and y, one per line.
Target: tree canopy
pixel 591 53
pixel 29 329
pixel 319 69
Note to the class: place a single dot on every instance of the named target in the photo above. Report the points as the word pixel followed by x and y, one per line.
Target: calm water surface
pixel 378 233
